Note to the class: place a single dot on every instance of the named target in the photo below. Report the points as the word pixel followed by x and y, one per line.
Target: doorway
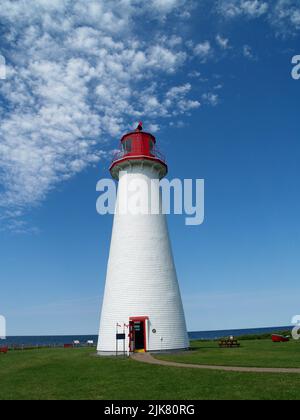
pixel 138 335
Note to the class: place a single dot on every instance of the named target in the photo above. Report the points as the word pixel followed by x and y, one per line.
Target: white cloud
pixel 161 58
pixel 178 95
pixel 222 42
pixel 77 75
pixel 285 16
pixel 248 52
pixel 153 128
pixel 175 102
pixel 203 50
pixel 212 99
pixel 166 6
pixel 248 8
pixel 194 74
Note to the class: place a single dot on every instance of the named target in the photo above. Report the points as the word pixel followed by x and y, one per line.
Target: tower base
pixel 120 354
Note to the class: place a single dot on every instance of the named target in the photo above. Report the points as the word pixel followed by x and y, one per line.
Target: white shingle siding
pixel 141 277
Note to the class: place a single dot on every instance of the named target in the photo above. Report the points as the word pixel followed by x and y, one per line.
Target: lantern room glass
pixel 127 146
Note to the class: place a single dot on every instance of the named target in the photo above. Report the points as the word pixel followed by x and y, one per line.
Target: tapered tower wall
pixel 141 277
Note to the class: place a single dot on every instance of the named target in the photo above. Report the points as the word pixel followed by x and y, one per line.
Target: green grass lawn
pixel 252 353
pixel 77 374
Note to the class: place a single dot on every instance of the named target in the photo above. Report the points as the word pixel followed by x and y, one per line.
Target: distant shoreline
pixel 193 335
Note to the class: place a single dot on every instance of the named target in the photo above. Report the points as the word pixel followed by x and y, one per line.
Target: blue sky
pixel 212 80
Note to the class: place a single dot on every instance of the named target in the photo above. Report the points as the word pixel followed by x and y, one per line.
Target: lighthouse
pixel 142 304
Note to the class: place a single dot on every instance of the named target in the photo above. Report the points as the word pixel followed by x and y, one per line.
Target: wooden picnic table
pixel 229 343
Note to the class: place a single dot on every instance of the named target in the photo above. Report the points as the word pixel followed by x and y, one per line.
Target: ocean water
pixel 68 339
pixel 57 341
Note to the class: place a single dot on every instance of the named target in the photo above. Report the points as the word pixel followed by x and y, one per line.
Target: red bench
pixel 3 350
pixel 68 346
pixel 279 338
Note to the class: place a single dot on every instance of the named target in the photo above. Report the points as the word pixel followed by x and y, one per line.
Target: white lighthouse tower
pixel 142 297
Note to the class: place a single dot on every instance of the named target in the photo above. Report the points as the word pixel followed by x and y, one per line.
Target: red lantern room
pixel 138 146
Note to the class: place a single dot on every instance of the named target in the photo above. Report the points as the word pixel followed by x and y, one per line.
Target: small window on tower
pixel 127 146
